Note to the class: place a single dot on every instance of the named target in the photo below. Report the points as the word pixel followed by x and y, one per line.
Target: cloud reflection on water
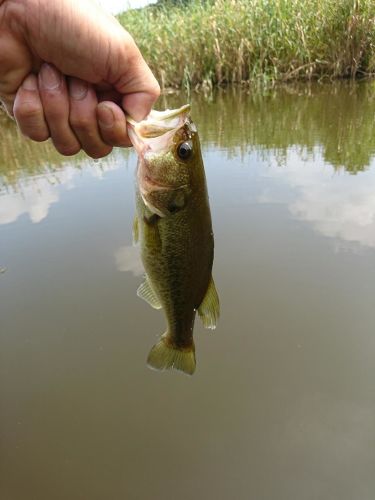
pixel 36 195
pixel 128 259
pixel 312 137
pixel 338 205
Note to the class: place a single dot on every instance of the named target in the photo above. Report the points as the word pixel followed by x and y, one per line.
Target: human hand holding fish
pixel 68 70
pixel 174 229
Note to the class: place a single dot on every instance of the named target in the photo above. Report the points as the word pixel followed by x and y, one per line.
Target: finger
pixel 112 124
pixel 28 110
pixel 141 90
pixel 137 83
pixel 55 100
pixel 83 118
pixel 138 105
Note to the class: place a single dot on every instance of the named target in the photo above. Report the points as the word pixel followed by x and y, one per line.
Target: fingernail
pixel 78 89
pixel 107 118
pixel 50 77
pixel 29 83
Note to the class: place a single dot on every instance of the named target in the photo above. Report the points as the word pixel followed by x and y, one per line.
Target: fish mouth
pixel 155 133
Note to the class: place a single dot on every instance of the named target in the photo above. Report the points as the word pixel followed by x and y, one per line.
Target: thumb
pixel 138 104
pixel 138 87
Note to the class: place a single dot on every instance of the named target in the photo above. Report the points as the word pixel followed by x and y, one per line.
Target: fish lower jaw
pixel 147 181
pixel 152 184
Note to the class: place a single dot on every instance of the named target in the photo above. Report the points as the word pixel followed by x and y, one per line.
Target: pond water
pixel 282 404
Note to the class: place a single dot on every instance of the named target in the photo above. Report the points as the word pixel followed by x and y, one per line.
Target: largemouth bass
pixel 173 226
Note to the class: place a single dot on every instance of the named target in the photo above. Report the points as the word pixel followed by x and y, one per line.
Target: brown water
pixel 282 405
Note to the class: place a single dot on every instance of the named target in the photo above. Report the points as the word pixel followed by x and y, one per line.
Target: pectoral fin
pixel 209 310
pixel 146 293
pixel 135 230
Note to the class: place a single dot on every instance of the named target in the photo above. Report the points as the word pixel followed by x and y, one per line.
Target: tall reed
pixel 203 43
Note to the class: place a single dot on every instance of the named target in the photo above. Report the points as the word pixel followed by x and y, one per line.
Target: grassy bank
pixel 203 43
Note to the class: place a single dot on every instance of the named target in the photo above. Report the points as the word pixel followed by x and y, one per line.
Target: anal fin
pixel 146 292
pixel 209 310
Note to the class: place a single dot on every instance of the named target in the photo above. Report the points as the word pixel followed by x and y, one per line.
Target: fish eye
pixel 184 150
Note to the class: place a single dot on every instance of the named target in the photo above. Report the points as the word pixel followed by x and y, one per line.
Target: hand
pixel 67 71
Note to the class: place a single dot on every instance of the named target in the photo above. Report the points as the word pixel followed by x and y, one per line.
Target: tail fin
pixel 164 355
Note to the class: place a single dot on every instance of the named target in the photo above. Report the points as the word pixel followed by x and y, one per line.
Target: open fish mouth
pixel 156 132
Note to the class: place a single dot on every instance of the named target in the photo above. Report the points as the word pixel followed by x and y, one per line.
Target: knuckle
pixel 67 149
pixel 80 123
pixel 27 111
pixel 155 90
pixel 98 153
pixel 37 135
pixel 113 139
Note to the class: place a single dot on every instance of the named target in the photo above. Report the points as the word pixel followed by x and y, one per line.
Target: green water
pixel 282 405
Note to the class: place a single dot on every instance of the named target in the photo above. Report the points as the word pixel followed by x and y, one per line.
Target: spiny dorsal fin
pixel 146 293
pixel 209 310
pixel 164 356
pixel 135 230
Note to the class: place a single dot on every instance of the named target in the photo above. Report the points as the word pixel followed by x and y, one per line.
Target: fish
pixel 174 229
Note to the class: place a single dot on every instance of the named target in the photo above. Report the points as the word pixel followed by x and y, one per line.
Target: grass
pixel 197 44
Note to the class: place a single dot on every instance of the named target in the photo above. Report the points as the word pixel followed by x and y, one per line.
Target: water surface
pixel 282 405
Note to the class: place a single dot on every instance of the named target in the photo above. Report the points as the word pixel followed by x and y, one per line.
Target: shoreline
pixel 199 43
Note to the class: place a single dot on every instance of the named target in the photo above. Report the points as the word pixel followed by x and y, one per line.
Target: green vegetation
pixel 205 43
pixel 335 121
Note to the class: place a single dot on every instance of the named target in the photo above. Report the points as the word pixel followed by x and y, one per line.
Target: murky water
pixel 282 405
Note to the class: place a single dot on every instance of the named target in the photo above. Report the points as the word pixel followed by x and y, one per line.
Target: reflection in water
pixel 337 117
pixel 337 205
pixel 35 200
pixel 22 159
pixel 128 259
pixel 319 125
pixel 35 195
pixel 284 390
pixel 173 225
